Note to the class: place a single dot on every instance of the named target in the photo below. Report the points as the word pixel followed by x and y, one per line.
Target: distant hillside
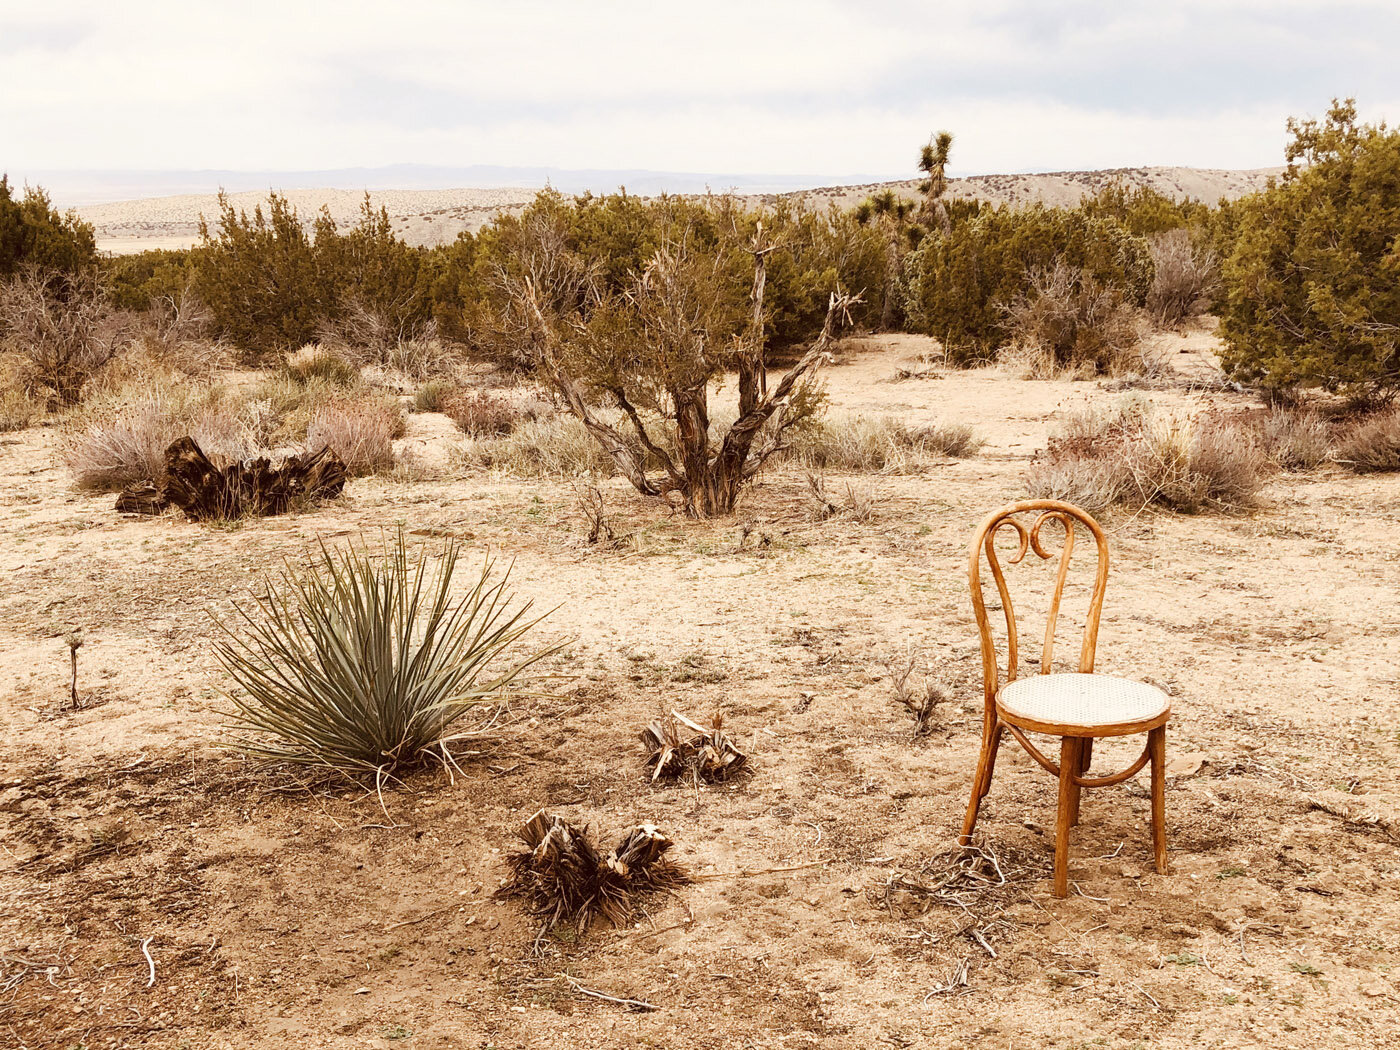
pixel 437 216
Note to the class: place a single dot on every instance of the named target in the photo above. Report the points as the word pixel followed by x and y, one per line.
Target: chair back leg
pixel 1157 747
pixel 1066 812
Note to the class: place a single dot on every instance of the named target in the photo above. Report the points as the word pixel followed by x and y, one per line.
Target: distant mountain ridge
pixel 428 216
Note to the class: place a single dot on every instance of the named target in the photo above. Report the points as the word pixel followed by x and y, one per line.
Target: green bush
pixel 34 234
pixel 134 282
pixel 1313 281
pixel 957 282
pixel 272 286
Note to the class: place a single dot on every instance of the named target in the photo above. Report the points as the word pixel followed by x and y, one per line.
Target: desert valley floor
pixel 278 916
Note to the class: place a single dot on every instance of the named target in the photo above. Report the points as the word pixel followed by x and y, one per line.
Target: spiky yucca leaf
pixel 363 661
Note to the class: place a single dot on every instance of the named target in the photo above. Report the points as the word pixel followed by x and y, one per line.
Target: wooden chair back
pixel 1039 512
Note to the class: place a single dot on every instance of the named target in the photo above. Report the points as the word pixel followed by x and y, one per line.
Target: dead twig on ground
pixel 638 1005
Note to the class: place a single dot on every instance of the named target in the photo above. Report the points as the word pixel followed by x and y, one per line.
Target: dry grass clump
pixel 1070 324
pixel 122 441
pixel 361 431
pixel 18 409
pixel 314 362
pixel 1372 445
pixel 555 446
pixel 482 414
pixel 1184 279
pixel 921 699
pixel 435 395
pixel 855 504
pixel 869 446
pixel 1129 456
pixel 63 331
pixel 1296 439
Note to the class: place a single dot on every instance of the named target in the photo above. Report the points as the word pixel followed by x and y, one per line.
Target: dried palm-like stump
pixel 565 879
pixel 707 755
pixel 206 491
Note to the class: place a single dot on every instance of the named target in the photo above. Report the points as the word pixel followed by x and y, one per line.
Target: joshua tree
pixel 933 159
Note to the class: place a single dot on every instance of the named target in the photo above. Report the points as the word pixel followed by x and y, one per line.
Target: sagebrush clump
pixel 1131 456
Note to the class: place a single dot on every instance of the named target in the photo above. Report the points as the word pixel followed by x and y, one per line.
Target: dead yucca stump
pixel 708 755
pixel 563 878
pixel 206 491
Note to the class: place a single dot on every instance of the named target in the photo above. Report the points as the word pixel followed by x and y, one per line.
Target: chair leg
pixel 1157 747
pixel 1064 812
pixel 992 760
pixel 1083 745
pixel 981 781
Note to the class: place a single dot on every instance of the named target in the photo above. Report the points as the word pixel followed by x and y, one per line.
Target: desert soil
pixel 277 916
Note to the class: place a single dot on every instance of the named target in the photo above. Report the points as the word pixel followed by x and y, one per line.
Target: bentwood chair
pixel 1077 707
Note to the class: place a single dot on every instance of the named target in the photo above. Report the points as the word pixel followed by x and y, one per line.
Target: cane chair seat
pixel 1063 703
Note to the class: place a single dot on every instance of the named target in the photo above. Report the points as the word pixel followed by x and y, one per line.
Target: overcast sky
pixel 755 86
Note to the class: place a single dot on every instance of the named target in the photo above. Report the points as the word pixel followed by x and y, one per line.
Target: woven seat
pixel 1082 700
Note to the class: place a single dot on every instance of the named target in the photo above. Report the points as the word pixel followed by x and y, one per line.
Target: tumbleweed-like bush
pixel 1373 444
pixel 365 661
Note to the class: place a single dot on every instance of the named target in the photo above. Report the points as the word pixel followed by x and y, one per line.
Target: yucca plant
pixel 364 661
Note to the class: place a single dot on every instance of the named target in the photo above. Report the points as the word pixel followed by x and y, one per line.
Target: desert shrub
pixel 284 406
pixel 880 445
pixel 136 281
pixel 957 282
pixel 482 414
pixel 554 446
pixel 260 278
pixel 1185 277
pixel 314 362
pixel 435 395
pixel 122 440
pixel 62 329
pixel 1131 456
pixel 360 431
pixel 1069 322
pixel 1372 444
pixel 1311 290
pixel 364 661
pixel 1142 210
pixel 34 235
pixel 18 408
pixel 856 504
pixel 1295 439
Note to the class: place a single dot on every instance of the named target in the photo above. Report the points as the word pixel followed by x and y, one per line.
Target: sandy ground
pixel 431 217
pixel 275 916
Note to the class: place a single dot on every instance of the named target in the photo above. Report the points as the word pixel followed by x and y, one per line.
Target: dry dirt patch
pixel 276 915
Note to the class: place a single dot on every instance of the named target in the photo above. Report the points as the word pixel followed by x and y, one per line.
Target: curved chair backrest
pixel 984 543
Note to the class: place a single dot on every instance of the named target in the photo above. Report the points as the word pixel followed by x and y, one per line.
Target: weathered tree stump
pixel 206 491
pixel 564 878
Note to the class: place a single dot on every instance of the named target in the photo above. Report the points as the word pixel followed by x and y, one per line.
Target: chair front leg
pixel 982 779
pixel 1065 812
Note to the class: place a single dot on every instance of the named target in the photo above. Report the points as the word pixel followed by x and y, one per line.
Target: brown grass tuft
pixel 361 432
pixel 1372 445
pixel 1184 279
pixel 1296 439
pixel 1128 456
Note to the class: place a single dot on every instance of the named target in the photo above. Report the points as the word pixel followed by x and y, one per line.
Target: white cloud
pixel 779 86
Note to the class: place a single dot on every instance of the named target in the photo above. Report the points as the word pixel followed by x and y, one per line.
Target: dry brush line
pixel 563 878
pixel 709 755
